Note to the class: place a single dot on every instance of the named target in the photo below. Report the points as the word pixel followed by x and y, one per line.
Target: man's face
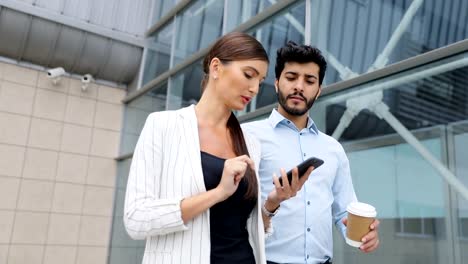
pixel 298 87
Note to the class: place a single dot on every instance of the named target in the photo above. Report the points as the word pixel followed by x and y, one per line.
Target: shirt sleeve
pixel 343 191
pixel 145 214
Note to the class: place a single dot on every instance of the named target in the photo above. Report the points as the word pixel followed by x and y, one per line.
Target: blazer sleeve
pixel 145 214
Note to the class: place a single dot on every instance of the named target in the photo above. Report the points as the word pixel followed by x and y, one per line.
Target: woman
pixel 193 192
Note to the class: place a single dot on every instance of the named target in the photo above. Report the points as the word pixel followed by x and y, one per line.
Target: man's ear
pixel 319 92
pixel 276 85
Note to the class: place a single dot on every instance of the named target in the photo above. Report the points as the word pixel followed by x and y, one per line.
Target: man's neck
pixel 299 121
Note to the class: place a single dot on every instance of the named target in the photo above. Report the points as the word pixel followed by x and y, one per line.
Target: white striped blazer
pixel 166 167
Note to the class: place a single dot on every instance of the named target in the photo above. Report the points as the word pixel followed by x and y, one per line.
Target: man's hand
pixel 370 242
pixel 286 191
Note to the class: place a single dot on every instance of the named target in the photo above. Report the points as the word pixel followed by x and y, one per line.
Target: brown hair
pixel 236 46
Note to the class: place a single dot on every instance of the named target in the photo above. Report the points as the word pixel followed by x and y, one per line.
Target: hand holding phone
pixel 302 168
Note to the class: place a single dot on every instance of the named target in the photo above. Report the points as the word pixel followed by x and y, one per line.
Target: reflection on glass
pixel 242 10
pixel 161 7
pixel 356 33
pixel 409 196
pixel 136 113
pixel 185 86
pixel 197 27
pixel 460 136
pixel 158 54
pixel 273 34
pixel 417 219
pixel 431 95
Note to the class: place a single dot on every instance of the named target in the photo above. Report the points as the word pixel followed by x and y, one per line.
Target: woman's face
pixel 238 82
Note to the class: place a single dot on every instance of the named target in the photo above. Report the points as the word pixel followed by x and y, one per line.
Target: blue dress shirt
pixel 303 225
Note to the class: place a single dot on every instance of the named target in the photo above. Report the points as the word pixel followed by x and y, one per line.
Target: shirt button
pixel 304 154
pixel 300 134
pixel 307 256
pixel 289 122
pixel 308 202
pixel 308 229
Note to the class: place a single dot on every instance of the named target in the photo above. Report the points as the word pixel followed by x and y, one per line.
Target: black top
pixel 228 219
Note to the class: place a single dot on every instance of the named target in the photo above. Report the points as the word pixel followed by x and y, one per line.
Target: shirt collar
pixel 276 118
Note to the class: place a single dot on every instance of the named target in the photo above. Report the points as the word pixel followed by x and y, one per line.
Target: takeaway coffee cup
pixel 360 217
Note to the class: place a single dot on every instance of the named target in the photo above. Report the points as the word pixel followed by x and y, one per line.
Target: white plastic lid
pixel 362 209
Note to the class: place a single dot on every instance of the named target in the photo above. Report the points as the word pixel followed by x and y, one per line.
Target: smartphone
pixel 302 168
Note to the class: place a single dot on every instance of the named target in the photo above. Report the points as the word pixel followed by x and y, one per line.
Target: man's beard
pixel 282 100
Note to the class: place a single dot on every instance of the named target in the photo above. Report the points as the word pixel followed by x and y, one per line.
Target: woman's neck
pixel 211 111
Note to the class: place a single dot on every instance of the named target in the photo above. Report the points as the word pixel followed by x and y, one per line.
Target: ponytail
pixel 240 148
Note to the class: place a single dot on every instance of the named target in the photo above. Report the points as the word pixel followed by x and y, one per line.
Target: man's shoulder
pixel 331 141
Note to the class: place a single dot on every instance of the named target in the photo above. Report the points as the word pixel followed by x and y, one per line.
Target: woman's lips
pixel 246 99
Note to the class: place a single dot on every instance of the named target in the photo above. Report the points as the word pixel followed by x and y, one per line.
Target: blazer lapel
pixel 191 140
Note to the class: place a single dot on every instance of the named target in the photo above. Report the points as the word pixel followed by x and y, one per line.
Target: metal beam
pixel 428 57
pixel 402 80
pixel 72 22
pixel 413 62
pixel 382 59
pixel 167 17
pixel 265 15
pixel 254 21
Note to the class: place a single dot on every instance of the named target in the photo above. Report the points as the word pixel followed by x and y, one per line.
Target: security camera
pixel 85 81
pixel 55 74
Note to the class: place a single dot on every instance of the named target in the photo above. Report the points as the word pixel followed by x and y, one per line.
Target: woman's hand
pixel 233 172
pixel 288 190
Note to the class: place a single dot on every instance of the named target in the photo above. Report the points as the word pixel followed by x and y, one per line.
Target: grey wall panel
pixel 68 48
pixel 128 57
pixel 28 1
pixel 129 16
pixel 51 5
pixel 80 9
pixel 124 14
pixel 13 27
pixel 47 43
pixel 93 52
pixel 41 41
pixel 102 13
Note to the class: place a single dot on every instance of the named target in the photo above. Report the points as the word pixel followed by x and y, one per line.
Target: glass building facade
pixel 395 95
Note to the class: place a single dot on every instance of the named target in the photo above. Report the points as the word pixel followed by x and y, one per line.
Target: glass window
pixel 158 55
pixel 242 10
pixel 185 86
pixel 464 227
pixel 273 34
pixel 136 113
pixel 411 195
pixel 459 133
pixel 123 249
pixel 425 97
pixel 161 7
pixel 197 27
pixel 359 33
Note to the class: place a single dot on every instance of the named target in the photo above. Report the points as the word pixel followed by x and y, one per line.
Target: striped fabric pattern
pixel 166 167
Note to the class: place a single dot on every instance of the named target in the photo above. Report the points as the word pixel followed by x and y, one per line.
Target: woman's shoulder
pixel 170 114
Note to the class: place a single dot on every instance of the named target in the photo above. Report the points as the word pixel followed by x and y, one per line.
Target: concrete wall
pixel 57 168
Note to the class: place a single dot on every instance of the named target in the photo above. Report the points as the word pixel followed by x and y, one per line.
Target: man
pixel 303 224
